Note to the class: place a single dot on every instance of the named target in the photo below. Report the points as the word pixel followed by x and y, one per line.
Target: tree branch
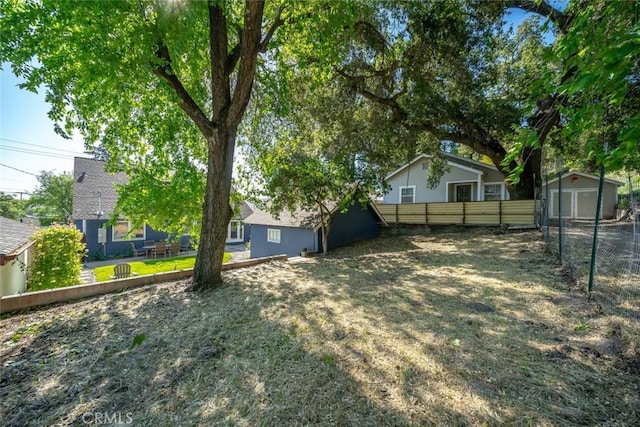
pixel 234 55
pixel 277 22
pixel 250 43
pixel 465 131
pixel 562 20
pixel 218 44
pixel 186 102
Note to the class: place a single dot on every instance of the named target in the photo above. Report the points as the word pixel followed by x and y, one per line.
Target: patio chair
pixel 135 251
pixel 122 271
pixel 174 248
pixel 160 249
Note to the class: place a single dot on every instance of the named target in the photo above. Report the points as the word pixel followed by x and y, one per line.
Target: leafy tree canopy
pixel 426 74
pixel 12 208
pixel 52 200
pixel 593 77
pixel 163 87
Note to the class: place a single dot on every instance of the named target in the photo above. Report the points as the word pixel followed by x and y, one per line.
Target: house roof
pixel 588 176
pixel 246 209
pixel 94 189
pixel 298 219
pixel 452 160
pixel 15 236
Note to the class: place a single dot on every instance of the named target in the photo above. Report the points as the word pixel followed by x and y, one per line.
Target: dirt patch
pixel 438 329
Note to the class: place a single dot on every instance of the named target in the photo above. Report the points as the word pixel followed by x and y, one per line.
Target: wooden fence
pixel 512 212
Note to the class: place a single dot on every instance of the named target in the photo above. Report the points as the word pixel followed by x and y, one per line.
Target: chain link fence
pixel 609 266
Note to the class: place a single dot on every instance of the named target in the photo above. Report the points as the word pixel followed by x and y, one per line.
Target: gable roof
pixel 588 176
pixel 452 160
pixel 298 219
pixel 15 237
pixel 94 189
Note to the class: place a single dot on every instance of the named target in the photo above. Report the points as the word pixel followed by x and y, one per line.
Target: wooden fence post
pixel 463 213
pixel 426 213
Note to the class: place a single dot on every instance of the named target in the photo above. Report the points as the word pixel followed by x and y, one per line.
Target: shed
pixel 580 196
pixel 15 242
pixel 292 234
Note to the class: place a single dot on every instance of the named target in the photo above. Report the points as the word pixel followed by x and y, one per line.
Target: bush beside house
pixel 57 258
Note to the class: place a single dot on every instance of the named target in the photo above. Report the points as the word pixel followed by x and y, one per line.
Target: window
pixel 493 192
pixel 234 233
pixel 408 194
pixel 121 229
pixel 273 235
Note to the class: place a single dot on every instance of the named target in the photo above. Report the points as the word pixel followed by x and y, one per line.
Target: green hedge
pixel 57 258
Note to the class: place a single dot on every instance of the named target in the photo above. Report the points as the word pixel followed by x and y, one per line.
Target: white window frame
pixel 413 198
pixel 484 190
pixel 273 235
pixel 129 225
pixel 239 227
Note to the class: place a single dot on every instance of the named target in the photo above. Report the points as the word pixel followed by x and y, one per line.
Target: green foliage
pixel 57 256
pixel 162 86
pixel 410 76
pixel 52 201
pixel 319 159
pixel 137 340
pixel 592 73
pixel 12 208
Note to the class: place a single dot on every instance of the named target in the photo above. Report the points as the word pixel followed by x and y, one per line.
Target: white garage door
pixel 585 202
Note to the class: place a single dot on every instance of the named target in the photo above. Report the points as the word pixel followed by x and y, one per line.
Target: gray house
pixel 292 234
pixel 466 181
pixel 94 200
pixel 580 196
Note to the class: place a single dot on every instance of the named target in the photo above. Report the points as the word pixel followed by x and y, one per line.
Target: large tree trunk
pixel 216 212
pixel 529 178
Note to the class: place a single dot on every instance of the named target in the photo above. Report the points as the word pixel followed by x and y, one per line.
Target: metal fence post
pixel 595 231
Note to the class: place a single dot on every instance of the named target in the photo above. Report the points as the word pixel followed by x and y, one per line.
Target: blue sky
pixel 27 139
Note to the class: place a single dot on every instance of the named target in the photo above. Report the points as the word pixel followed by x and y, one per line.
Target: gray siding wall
pixel 292 241
pixel 569 185
pixel 415 175
pixel 358 223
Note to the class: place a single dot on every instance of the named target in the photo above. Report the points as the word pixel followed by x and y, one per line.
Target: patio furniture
pixel 160 249
pixel 137 252
pixel 149 247
pixel 174 248
pixel 122 271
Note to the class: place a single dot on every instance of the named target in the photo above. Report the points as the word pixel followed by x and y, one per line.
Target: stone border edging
pixel 25 300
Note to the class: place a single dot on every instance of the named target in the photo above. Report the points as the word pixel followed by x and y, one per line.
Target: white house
pixel 15 242
pixel 466 181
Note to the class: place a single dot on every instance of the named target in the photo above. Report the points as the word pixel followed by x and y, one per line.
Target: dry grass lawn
pixel 442 329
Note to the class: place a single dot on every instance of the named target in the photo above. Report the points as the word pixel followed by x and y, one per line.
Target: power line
pixel 36 152
pixel 19 170
pixel 40 146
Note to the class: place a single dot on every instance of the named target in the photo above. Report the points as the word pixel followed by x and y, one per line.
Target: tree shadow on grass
pixel 207 359
pixel 491 323
pixel 356 338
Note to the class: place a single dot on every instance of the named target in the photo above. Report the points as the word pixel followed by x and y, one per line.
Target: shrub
pixel 57 258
